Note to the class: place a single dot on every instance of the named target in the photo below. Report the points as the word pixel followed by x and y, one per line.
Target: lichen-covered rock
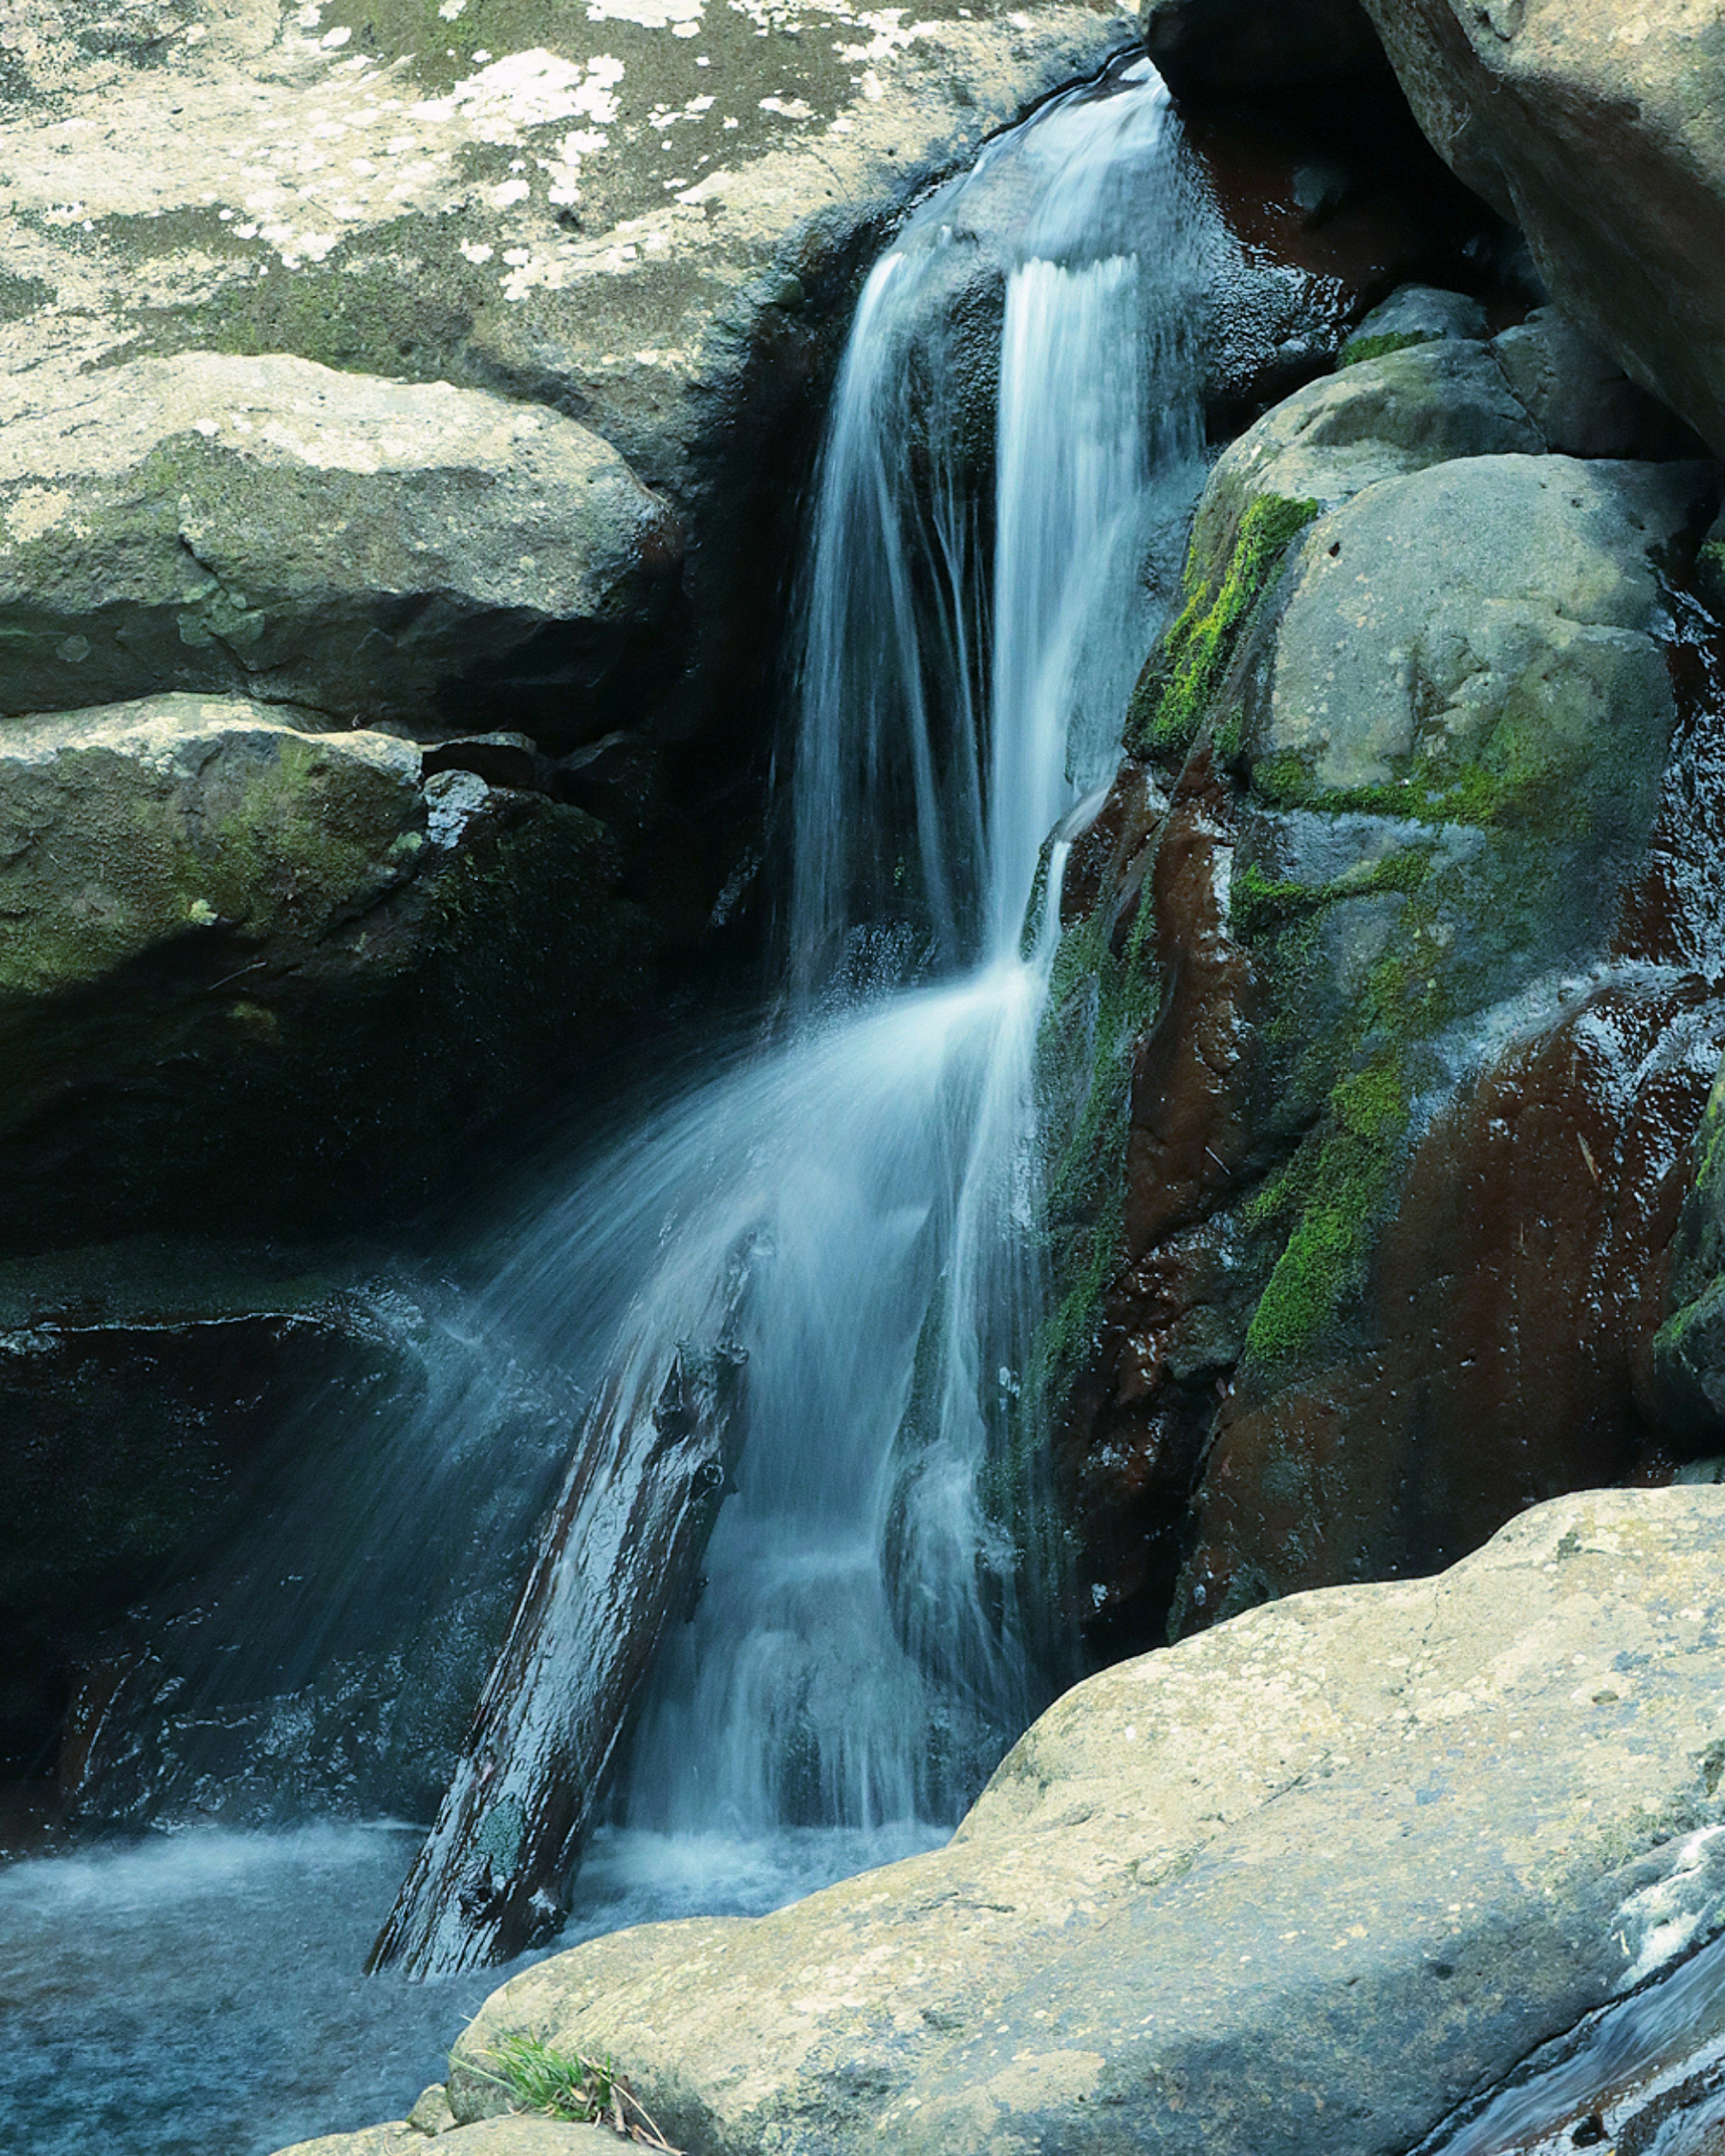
pixel 646 215
pixel 257 977
pixel 1362 1216
pixel 1328 1869
pixel 1600 133
pixel 375 550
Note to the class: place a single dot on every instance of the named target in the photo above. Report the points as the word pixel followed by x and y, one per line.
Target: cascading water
pixel 845 1226
pixel 810 1283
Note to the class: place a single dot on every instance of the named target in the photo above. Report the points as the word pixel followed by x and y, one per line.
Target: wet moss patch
pixel 1359 350
pixel 1187 670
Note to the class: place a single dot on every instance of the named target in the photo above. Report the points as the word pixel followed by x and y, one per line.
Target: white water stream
pixel 854 1209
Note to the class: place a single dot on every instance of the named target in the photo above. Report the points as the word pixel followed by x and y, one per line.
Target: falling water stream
pixel 837 1230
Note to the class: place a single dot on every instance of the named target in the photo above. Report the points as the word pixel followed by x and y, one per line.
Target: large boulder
pixel 1387 1003
pixel 1601 133
pixel 379 552
pixel 1327 1870
pixel 254 971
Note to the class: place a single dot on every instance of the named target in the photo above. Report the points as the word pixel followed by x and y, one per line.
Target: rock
pixel 1411 770
pixel 377 551
pixel 143 1389
pixel 648 219
pixel 233 945
pixel 1415 314
pixel 1247 47
pixel 431 2112
pixel 1710 566
pixel 1346 1860
pixel 1596 133
pixel 495 2137
pixel 1581 401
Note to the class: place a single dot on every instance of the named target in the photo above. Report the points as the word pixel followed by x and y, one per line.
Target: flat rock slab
pixel 1319 1874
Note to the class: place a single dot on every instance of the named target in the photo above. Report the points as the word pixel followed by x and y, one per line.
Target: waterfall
pixel 808 1286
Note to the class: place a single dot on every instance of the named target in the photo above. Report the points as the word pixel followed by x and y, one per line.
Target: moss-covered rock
pixel 261 978
pixel 379 552
pixel 1418 751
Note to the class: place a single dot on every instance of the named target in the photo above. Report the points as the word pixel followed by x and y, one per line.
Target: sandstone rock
pixel 1252 46
pixel 1329 1868
pixel 648 218
pixel 1598 133
pixel 1387 968
pixel 231 945
pixel 496 2136
pixel 375 550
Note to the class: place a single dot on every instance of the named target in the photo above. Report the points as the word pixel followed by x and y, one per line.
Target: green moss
pixel 1187 670
pixel 1258 904
pixel 1515 783
pixel 1335 1188
pixel 1357 349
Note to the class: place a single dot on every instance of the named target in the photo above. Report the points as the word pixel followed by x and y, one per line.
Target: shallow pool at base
pixel 200 1994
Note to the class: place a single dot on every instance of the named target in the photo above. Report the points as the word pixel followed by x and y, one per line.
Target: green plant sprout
pixel 536 2077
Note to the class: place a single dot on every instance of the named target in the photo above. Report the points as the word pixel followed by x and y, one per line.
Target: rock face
pixel 1387 1006
pixel 1329 1869
pixel 1600 134
pixel 1253 46
pixel 374 551
pixel 233 946
pixel 141 1389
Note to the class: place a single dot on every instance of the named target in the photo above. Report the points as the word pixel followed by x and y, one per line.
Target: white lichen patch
pixel 681 17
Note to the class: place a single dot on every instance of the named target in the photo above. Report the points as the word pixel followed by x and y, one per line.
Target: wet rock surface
pixel 143 1388
pixel 246 956
pixel 1407 1001
pixel 1332 1868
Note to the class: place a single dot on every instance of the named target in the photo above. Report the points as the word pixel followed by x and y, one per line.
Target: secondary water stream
pixel 808 1284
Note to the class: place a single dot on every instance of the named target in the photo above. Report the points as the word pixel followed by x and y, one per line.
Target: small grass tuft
pixel 554 2084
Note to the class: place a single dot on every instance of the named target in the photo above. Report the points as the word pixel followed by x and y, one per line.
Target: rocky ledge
pixel 1322 1874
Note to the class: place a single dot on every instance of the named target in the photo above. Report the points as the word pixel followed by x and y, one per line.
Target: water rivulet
pixel 825 1261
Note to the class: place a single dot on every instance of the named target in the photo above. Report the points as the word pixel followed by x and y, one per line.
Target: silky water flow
pixel 812 1281
pixel 842 1233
